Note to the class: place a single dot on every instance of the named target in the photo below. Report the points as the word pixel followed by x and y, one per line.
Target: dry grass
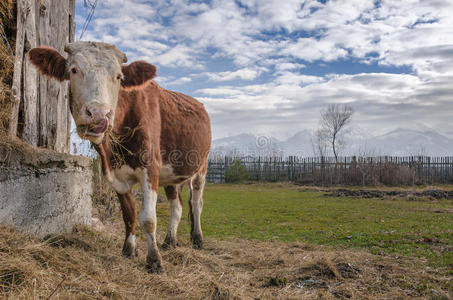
pixel 8 23
pixel 87 265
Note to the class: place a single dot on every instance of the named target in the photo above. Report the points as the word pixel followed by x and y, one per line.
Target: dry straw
pixel 8 29
pixel 88 265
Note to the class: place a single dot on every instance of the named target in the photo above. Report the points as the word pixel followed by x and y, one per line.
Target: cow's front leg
pixel 175 203
pixel 129 217
pixel 148 221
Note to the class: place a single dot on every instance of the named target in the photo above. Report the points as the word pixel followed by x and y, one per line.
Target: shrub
pixel 236 173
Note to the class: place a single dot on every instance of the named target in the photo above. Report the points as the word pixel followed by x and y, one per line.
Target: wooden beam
pixel 16 90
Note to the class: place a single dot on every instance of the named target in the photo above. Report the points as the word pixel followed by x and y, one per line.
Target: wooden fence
pixel 387 170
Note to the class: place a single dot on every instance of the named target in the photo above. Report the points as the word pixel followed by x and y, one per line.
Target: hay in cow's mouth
pixel 94 130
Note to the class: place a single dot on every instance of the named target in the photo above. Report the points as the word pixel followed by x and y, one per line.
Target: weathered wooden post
pixel 44 119
pixel 42 190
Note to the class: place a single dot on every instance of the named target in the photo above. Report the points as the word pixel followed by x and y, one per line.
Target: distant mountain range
pixel 398 142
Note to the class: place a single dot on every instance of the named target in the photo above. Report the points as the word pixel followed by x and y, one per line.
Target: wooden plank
pixel 43 39
pixel 30 77
pixel 59 21
pixel 71 38
pixel 17 74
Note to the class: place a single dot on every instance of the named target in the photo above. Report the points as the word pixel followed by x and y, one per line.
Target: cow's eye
pixel 118 76
pixel 74 70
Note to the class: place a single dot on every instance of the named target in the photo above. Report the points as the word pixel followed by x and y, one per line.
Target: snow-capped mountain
pixel 247 144
pixel 398 142
pixel 299 144
pixel 403 141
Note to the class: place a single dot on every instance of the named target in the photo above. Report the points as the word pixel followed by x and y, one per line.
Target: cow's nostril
pixel 89 114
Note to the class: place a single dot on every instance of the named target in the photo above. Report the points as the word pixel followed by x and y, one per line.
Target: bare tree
pixel 332 124
pixel 364 162
pixel 319 143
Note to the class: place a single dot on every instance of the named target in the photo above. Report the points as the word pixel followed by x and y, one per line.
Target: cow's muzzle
pixel 99 128
pixel 95 130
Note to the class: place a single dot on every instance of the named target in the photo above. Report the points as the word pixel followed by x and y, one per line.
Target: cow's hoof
pixel 129 250
pixel 169 242
pixel 154 265
pixel 197 241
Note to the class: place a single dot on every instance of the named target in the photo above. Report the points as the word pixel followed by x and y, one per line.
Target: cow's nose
pixel 96 113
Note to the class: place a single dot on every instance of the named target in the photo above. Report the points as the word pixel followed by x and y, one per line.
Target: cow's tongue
pixel 101 127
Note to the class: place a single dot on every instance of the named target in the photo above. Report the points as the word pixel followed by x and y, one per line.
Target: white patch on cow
pixel 197 203
pixel 131 240
pixel 124 178
pixel 168 177
pixel 197 206
pixel 175 216
pixel 147 215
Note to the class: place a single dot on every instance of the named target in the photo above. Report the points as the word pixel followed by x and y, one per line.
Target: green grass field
pixel 282 212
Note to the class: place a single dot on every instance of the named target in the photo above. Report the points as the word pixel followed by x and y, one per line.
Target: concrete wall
pixel 42 191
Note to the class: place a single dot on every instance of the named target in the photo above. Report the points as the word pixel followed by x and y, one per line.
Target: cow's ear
pixel 49 62
pixel 137 74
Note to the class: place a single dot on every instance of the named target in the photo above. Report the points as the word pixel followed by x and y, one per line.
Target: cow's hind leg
pixel 195 208
pixel 175 203
pixel 129 216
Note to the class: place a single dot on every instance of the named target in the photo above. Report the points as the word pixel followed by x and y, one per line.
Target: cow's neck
pixel 116 145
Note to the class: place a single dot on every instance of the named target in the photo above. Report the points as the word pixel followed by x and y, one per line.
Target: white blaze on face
pixel 95 80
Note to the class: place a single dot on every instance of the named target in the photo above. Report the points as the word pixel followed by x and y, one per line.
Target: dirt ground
pixel 87 264
pixel 435 194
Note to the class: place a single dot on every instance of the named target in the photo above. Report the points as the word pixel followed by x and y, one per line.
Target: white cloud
pixel 285 66
pixel 286 77
pixel 244 74
pixel 178 56
pixel 220 91
pixel 382 101
pixel 181 80
pixel 260 36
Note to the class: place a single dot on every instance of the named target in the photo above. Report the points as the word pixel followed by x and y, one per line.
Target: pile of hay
pixel 8 31
pixel 87 264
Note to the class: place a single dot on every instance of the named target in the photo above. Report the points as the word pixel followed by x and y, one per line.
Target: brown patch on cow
pixel 184 117
pixel 153 179
pixel 172 192
pixel 105 153
pixel 129 212
pixel 153 123
pixel 137 75
pixel 49 62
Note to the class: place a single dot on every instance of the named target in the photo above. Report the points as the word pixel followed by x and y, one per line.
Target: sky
pixel 268 67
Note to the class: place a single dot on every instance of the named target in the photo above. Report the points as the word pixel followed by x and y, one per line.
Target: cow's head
pixel 96 75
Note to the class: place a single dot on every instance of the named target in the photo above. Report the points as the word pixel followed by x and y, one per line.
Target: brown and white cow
pixel 143 133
